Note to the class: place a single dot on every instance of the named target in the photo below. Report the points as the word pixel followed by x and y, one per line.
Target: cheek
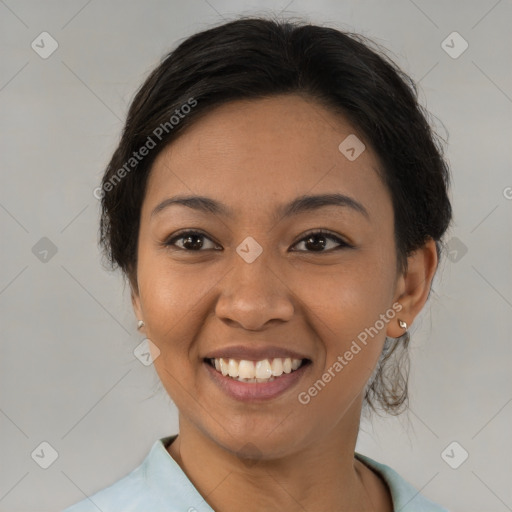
pixel 168 300
pixel 348 309
pixel 177 302
pixel 168 290
pixel 347 298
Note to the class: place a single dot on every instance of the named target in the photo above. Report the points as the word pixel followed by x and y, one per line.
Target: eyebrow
pixel 301 204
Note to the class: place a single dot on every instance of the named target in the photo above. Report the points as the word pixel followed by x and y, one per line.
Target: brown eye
pixel 192 241
pixel 316 241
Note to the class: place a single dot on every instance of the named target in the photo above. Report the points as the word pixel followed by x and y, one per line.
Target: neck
pixel 320 476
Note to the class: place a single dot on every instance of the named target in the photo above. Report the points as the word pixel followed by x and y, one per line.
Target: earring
pixel 402 324
pixel 140 324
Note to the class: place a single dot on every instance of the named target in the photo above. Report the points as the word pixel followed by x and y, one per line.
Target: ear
pixel 413 287
pixel 136 303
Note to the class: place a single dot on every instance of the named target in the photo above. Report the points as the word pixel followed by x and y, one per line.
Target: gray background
pixel 68 375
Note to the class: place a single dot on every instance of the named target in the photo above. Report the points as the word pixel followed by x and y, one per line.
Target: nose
pixel 254 295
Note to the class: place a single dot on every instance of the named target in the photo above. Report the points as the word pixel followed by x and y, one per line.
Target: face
pixel 256 277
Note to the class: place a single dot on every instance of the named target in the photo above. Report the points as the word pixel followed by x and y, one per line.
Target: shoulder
pixel 405 497
pixel 154 486
pixel 127 494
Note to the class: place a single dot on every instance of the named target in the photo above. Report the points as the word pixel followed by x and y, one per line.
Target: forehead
pixel 251 154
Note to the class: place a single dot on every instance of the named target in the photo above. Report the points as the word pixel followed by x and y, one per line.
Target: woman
pixel 277 204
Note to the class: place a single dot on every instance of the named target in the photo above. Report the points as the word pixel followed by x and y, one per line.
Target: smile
pixel 256 380
pixel 265 370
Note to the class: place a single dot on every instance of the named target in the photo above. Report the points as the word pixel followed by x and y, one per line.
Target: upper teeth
pixel 263 369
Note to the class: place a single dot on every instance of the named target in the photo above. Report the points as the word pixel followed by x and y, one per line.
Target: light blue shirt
pixel 160 485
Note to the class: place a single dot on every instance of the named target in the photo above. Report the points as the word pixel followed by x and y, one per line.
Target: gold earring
pixel 140 324
pixel 402 324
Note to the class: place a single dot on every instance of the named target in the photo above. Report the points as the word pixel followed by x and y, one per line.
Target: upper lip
pixel 253 353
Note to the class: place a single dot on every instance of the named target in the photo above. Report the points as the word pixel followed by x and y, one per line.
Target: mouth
pixel 252 372
pixel 256 380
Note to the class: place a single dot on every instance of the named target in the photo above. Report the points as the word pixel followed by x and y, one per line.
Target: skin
pixel 254 156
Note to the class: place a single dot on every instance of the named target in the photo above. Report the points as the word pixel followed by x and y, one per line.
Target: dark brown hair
pixel 251 58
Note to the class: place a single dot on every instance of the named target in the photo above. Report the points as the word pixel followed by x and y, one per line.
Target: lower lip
pixel 256 391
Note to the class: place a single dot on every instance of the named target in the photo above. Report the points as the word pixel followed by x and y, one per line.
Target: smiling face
pixel 209 292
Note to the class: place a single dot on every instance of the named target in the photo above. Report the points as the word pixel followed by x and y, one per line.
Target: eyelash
pixel 320 232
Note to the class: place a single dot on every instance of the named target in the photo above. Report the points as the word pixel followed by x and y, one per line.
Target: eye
pixel 190 239
pixel 314 237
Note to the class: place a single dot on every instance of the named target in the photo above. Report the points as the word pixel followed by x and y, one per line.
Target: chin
pixel 266 442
